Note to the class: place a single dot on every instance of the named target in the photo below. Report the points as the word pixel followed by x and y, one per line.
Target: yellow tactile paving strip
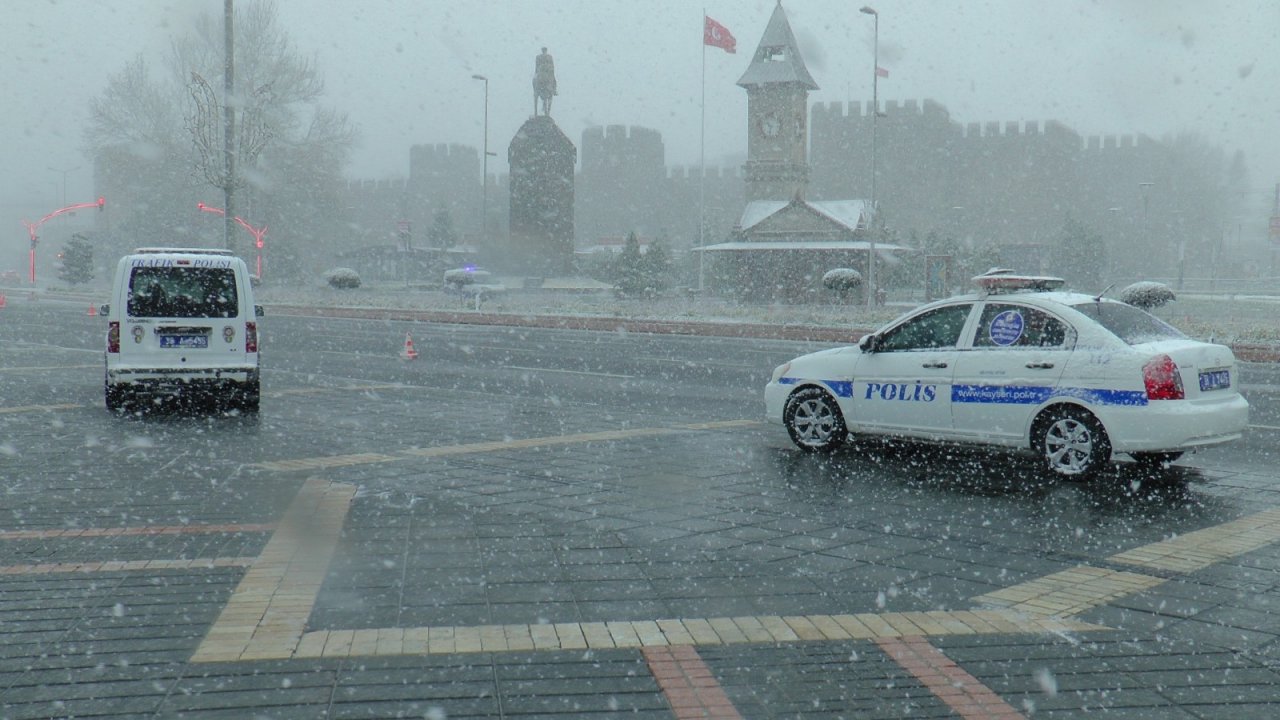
pixel 662 633
pixel 1069 592
pixel 1202 548
pixel 1078 589
pixel 332 461
pixel 125 565
pixel 268 610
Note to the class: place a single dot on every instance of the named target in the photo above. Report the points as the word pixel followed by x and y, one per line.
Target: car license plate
pixel 1215 380
pixel 202 341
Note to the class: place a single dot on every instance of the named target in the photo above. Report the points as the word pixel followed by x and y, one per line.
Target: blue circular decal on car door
pixel 1006 328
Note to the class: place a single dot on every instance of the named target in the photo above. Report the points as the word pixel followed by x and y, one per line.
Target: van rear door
pixel 182 316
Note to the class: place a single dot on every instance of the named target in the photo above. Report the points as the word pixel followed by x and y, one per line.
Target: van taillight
pixel 1162 379
pixel 113 337
pixel 251 337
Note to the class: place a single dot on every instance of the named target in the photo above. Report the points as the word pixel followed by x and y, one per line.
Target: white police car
pixel 1020 364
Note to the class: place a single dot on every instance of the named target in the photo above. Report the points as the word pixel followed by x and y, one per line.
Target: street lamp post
pixel 484 164
pixel 875 114
pixel 32 227
pixel 257 233
pixel 64 180
pixel 1146 204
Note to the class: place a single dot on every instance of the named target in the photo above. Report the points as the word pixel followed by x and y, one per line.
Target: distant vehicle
pixel 182 321
pixel 1070 377
pixel 471 280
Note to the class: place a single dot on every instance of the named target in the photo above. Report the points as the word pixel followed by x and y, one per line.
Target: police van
pixel 182 323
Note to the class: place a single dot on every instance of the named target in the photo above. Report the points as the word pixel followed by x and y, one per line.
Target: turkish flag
pixel 717 35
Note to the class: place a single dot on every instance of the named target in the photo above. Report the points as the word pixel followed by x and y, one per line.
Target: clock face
pixel 771 125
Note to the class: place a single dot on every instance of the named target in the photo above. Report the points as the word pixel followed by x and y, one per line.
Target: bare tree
pixel 286 142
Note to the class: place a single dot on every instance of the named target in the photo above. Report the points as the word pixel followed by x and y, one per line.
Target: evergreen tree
pixel 1079 255
pixel 442 234
pixel 656 268
pixel 77 261
pixel 628 268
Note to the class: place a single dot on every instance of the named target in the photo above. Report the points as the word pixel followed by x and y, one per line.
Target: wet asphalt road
pixel 664 520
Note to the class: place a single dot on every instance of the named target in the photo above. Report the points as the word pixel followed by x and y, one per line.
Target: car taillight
pixel 1162 379
pixel 251 337
pixel 113 337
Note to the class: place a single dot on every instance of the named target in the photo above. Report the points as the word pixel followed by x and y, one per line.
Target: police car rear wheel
pixel 814 421
pixel 1072 443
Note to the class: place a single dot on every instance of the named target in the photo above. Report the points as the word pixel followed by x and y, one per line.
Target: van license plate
pixel 1215 380
pixel 202 341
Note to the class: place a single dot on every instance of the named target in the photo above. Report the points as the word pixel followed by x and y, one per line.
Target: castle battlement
pixel 858 109
pixel 693 172
pixel 373 187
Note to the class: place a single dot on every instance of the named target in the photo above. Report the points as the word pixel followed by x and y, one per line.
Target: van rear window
pixel 183 292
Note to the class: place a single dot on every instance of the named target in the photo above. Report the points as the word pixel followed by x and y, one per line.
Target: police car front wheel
pixel 1072 443
pixel 814 421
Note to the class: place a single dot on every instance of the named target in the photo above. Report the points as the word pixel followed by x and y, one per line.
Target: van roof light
pixel 181 251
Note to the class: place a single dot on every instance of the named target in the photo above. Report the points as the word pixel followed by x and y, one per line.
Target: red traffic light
pixel 101 201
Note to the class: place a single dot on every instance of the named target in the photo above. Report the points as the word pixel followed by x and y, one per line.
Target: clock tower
pixel 777 85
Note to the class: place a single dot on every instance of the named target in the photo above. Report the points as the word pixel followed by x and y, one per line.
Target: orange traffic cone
pixel 93 311
pixel 2 300
pixel 408 353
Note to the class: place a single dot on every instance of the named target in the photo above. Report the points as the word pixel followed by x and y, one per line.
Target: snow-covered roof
pixel 804 245
pixel 848 213
pixel 777 57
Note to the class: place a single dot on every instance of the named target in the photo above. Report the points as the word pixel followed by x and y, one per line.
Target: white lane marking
pixel 1265 427
pixel 572 372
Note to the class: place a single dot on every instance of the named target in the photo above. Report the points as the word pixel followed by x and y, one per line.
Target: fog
pixel 403 72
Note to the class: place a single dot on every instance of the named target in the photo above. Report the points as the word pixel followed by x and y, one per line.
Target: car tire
pixel 250 397
pixel 115 396
pixel 814 421
pixel 1155 459
pixel 1071 442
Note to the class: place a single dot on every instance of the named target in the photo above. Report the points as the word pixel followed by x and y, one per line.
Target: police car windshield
pixel 1130 324
pixel 183 292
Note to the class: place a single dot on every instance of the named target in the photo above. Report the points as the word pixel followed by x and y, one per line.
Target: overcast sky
pixel 402 69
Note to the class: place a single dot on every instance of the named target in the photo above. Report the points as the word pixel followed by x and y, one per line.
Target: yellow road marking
pixel 36 408
pixel 125 565
pixel 48 367
pixel 331 461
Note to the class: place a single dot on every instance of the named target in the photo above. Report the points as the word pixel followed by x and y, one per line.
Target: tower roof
pixel 777 58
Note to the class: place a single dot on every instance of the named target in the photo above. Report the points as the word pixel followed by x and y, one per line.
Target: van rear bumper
pixel 160 380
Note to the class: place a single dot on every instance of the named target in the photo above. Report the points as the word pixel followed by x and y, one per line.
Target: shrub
pixel 1147 295
pixel 342 278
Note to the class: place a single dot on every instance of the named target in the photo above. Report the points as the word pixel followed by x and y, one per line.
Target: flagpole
pixel 702 163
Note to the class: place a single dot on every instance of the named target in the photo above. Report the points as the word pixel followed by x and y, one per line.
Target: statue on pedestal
pixel 544 82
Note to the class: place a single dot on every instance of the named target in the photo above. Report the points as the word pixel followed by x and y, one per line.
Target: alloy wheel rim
pixel 1068 446
pixel 814 422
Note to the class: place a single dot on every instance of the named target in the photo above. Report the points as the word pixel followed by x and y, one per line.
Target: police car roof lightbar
pixel 181 251
pixel 1001 280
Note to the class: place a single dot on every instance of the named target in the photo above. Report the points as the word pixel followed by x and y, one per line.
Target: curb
pixel 1245 352
pixel 806 333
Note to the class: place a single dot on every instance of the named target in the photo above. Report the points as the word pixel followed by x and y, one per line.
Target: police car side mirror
pixel 868 343
pixel 258 311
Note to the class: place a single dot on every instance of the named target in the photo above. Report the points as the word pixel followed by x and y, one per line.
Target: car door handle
pixel 1039 365
pixel 939 364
